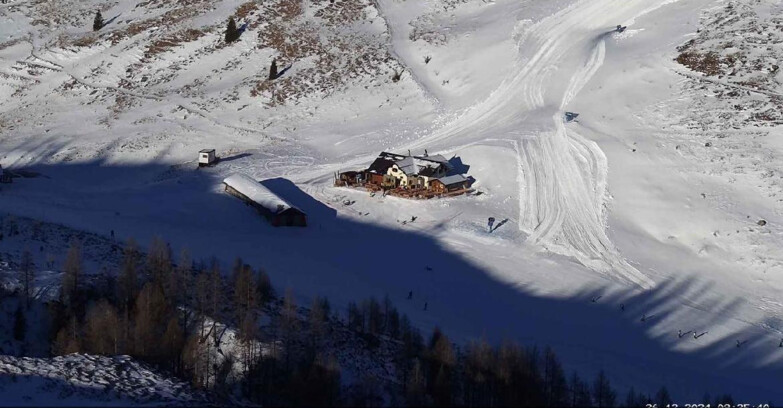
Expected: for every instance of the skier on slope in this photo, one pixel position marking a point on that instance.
(490, 223)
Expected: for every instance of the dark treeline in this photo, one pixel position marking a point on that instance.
(174, 314)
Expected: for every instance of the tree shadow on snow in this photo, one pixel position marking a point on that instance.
(345, 259)
(111, 20)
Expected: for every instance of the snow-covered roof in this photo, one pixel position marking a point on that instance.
(408, 165)
(255, 191)
(435, 158)
(449, 180)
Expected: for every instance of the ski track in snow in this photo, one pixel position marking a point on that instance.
(563, 175)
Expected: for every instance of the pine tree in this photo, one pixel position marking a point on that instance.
(580, 394)
(633, 399)
(232, 33)
(128, 280)
(202, 298)
(317, 323)
(662, 397)
(441, 363)
(415, 387)
(173, 343)
(20, 324)
(479, 379)
(176, 284)
(102, 329)
(555, 385)
(159, 262)
(97, 24)
(127, 290)
(67, 340)
(245, 297)
(72, 271)
(27, 276)
(603, 394)
(150, 318)
(265, 290)
(273, 69)
(289, 323)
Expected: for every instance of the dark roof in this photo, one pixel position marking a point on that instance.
(428, 171)
(436, 158)
(207, 151)
(380, 165)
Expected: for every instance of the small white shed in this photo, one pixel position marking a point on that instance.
(206, 157)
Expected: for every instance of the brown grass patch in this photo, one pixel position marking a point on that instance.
(707, 63)
(170, 41)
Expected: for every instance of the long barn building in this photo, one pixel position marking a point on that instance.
(275, 209)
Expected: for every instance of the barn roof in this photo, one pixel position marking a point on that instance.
(380, 165)
(455, 179)
(257, 192)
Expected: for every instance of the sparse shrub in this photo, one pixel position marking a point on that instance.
(397, 75)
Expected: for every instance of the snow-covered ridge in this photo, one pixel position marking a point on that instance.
(81, 380)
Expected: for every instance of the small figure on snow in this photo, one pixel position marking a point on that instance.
(680, 334)
(490, 223)
(425, 306)
(595, 299)
(410, 295)
(781, 343)
(644, 317)
(428, 268)
(413, 218)
(622, 307)
(112, 234)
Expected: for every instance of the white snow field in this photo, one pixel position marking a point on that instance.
(619, 203)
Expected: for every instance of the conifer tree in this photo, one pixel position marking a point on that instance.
(231, 31)
(159, 262)
(20, 324)
(27, 276)
(273, 69)
(555, 386)
(102, 329)
(97, 24)
(662, 397)
(72, 271)
(580, 394)
(150, 318)
(603, 394)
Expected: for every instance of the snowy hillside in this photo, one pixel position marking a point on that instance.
(657, 210)
(85, 380)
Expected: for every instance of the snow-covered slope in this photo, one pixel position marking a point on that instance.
(629, 202)
(86, 380)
